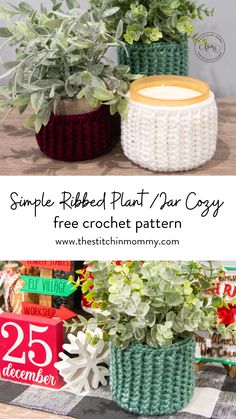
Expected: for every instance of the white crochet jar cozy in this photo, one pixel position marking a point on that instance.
(170, 138)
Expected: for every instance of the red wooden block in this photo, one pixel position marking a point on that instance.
(63, 265)
(29, 347)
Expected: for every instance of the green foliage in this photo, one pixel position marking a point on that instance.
(153, 20)
(2, 263)
(60, 55)
(152, 302)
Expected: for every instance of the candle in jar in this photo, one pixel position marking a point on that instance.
(166, 92)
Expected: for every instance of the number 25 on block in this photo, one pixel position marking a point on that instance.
(29, 347)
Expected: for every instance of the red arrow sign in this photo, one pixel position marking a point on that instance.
(60, 265)
(62, 313)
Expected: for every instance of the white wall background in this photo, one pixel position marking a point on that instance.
(221, 74)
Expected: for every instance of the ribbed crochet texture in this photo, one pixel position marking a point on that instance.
(156, 58)
(168, 138)
(151, 381)
(76, 137)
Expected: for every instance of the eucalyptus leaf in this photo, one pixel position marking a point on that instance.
(48, 83)
(46, 113)
(72, 4)
(110, 12)
(38, 123)
(29, 122)
(61, 54)
(96, 69)
(6, 14)
(174, 299)
(103, 94)
(151, 21)
(123, 108)
(37, 100)
(21, 100)
(143, 310)
(5, 33)
(25, 8)
(119, 29)
(11, 64)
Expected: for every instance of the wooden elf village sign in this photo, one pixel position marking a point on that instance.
(215, 347)
(47, 286)
(38, 291)
(38, 310)
(63, 265)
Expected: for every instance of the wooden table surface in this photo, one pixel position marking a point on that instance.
(20, 155)
(16, 412)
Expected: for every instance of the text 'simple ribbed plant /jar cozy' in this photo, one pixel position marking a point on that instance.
(155, 58)
(150, 381)
(170, 135)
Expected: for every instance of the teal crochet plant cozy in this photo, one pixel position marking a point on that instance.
(151, 381)
(155, 58)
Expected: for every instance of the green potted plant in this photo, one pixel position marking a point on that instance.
(156, 32)
(62, 74)
(153, 310)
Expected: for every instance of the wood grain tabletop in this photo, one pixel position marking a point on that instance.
(20, 155)
(16, 412)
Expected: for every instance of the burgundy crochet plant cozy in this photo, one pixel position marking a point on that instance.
(76, 137)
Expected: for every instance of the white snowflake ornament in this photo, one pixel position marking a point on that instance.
(84, 372)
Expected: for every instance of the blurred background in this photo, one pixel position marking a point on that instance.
(217, 66)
